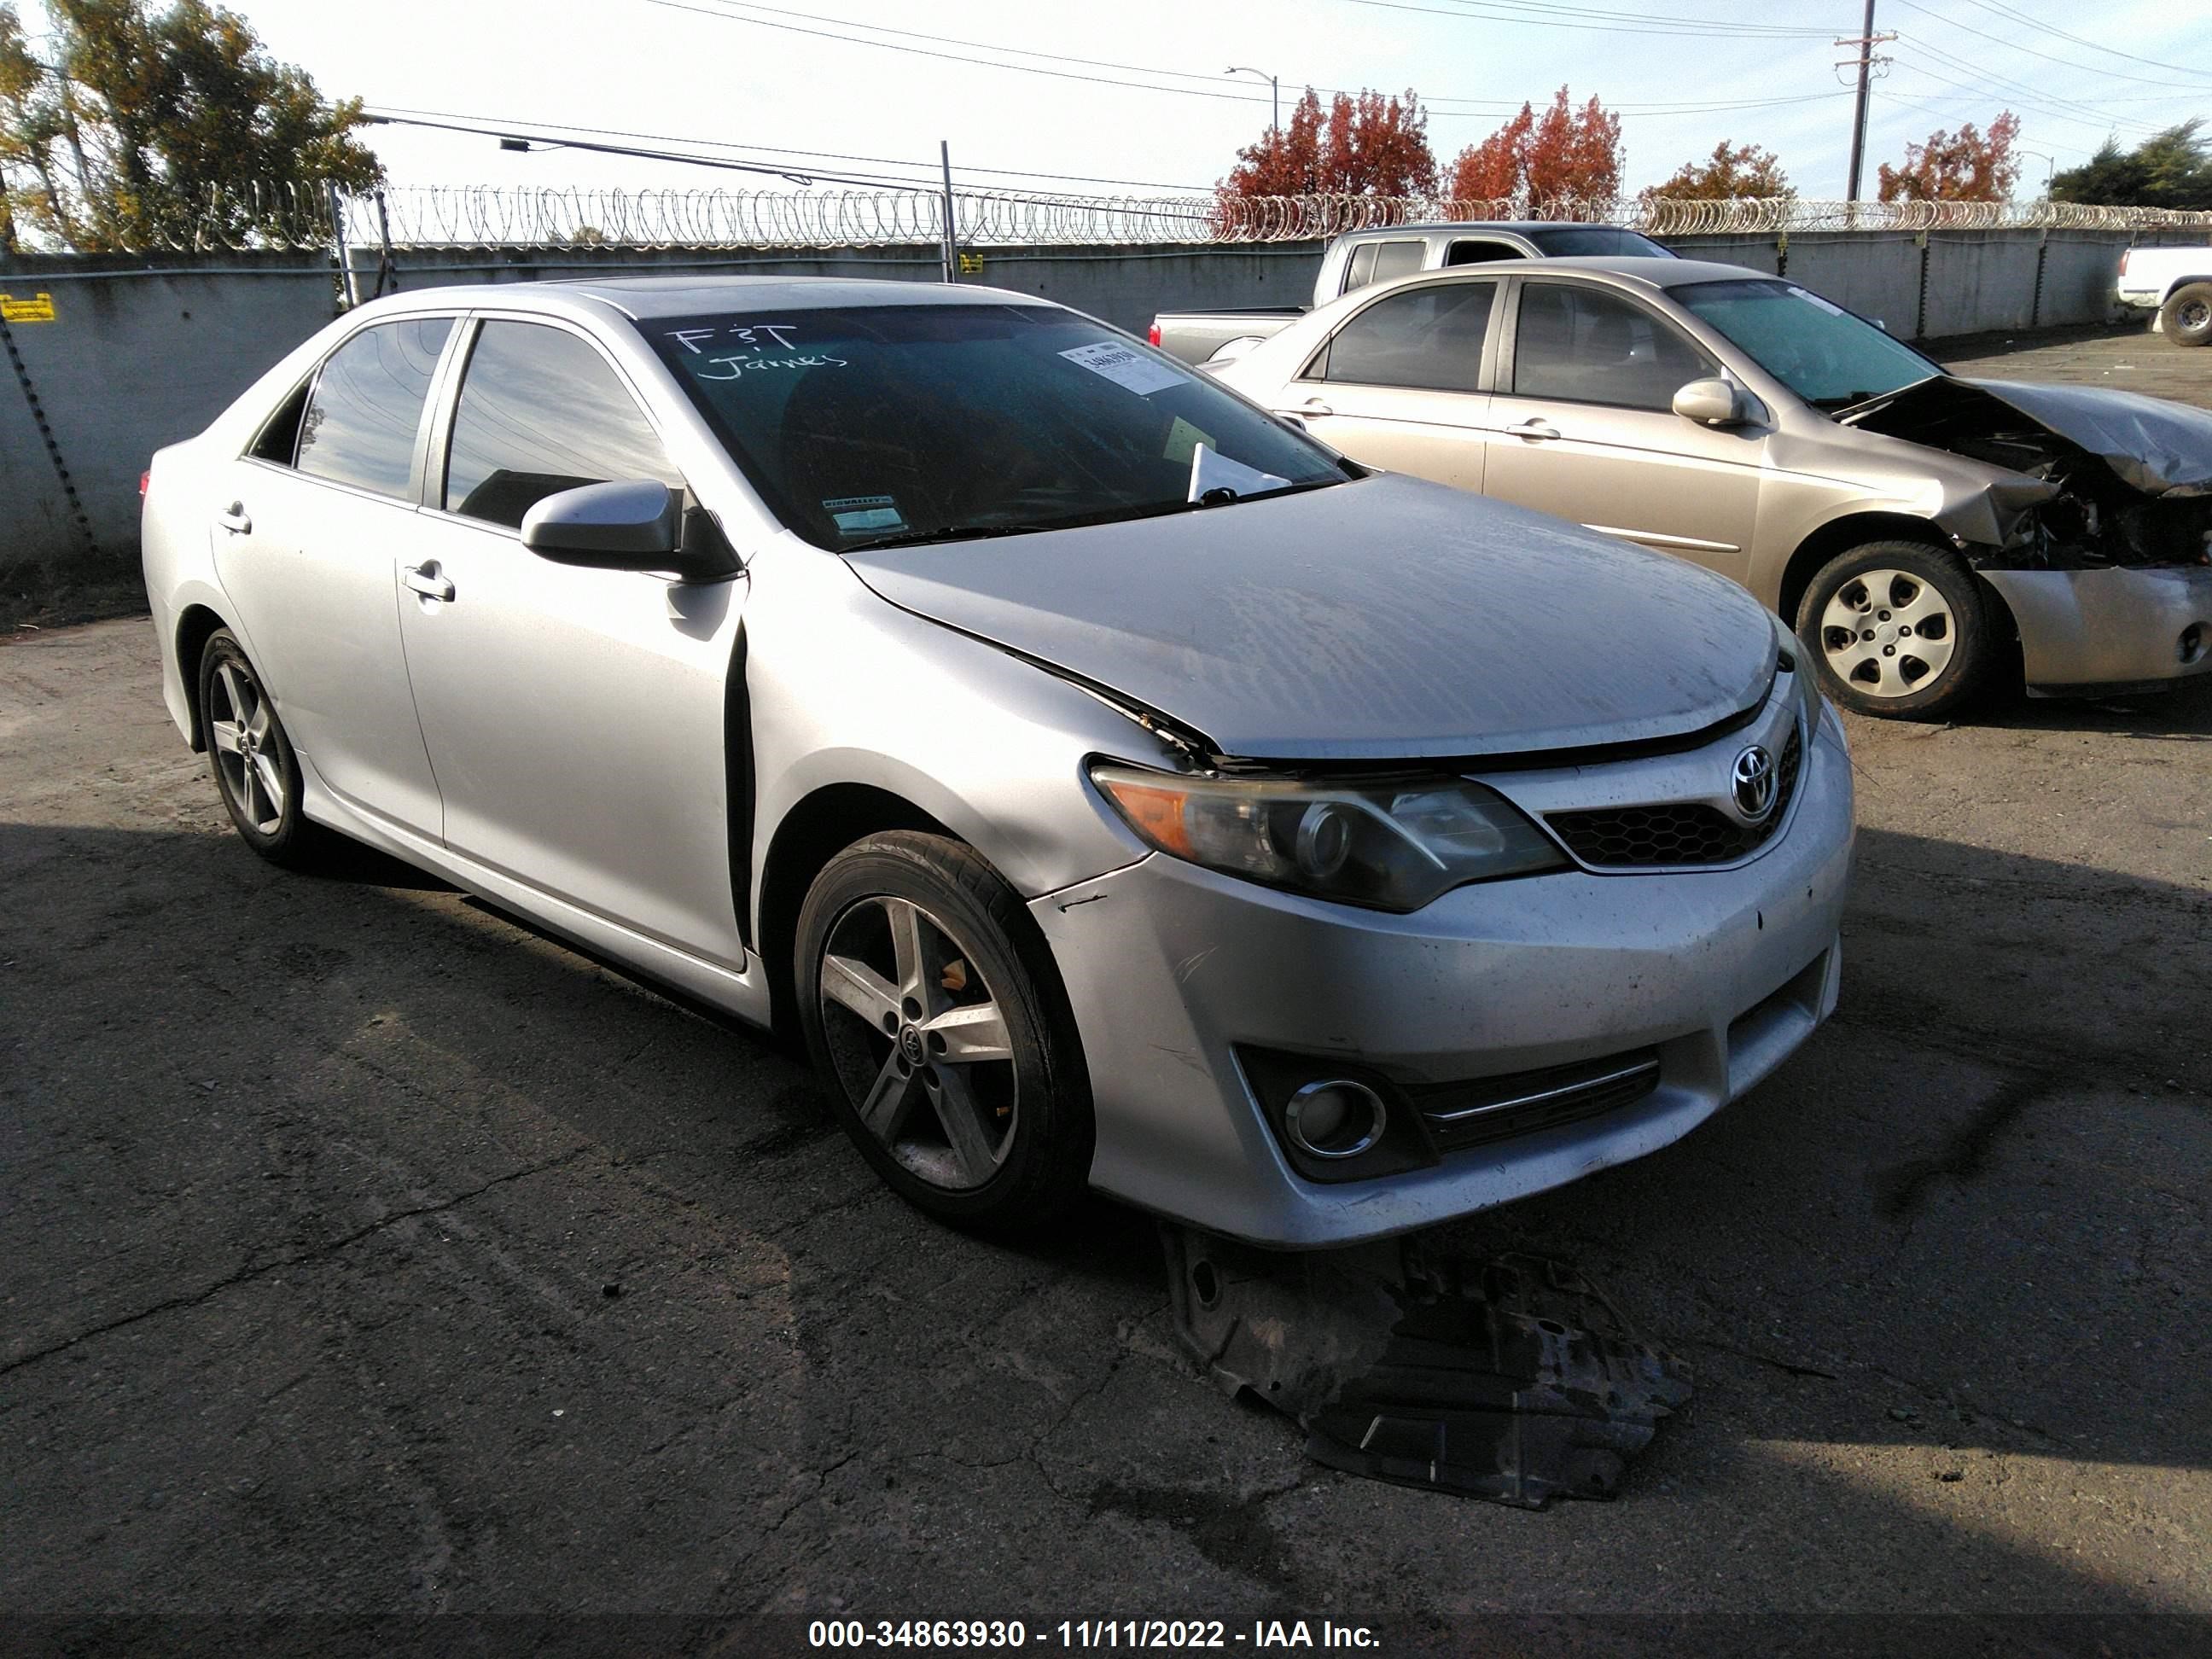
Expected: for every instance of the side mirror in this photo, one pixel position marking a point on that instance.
(632, 524)
(1713, 402)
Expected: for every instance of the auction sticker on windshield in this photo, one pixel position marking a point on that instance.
(855, 513)
(1125, 368)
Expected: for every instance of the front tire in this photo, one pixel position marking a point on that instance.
(932, 1011)
(2185, 318)
(255, 770)
(1896, 629)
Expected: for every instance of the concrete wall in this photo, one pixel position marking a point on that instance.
(144, 352)
(137, 356)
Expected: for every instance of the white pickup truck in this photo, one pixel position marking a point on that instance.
(2176, 283)
(1361, 257)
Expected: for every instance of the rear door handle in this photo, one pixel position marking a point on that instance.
(234, 519)
(1534, 427)
(1315, 406)
(424, 579)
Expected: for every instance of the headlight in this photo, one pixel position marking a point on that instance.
(1391, 846)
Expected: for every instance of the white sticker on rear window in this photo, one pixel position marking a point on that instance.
(1139, 373)
(1807, 293)
(855, 513)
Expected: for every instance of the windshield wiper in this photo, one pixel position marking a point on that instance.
(951, 532)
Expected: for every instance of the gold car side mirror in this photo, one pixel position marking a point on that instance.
(1712, 402)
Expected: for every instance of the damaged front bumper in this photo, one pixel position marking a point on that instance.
(2085, 630)
(1600, 1016)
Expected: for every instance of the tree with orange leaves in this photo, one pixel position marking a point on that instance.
(1561, 153)
(1957, 166)
(1369, 145)
(1728, 173)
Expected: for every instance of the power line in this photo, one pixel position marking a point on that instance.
(724, 12)
(1535, 15)
(2117, 74)
(2080, 41)
(2050, 106)
(786, 149)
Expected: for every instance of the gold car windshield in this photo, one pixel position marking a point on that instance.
(1829, 356)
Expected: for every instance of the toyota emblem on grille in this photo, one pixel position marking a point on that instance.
(1752, 782)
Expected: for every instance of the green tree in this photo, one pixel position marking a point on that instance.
(146, 129)
(2169, 169)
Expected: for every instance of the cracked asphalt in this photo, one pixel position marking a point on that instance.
(363, 1253)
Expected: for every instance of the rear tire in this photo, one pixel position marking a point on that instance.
(934, 1014)
(1896, 629)
(251, 757)
(2185, 318)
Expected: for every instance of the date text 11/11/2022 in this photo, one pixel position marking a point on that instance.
(1088, 1633)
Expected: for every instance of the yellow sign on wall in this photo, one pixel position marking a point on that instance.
(38, 308)
(970, 264)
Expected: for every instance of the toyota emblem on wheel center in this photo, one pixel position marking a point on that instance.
(1753, 782)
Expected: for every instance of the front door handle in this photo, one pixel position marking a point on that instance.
(424, 579)
(234, 519)
(1315, 406)
(1534, 427)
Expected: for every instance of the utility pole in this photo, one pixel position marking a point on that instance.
(1866, 42)
(951, 258)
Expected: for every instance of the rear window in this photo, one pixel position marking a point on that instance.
(361, 420)
(1378, 262)
(1429, 339)
(1600, 242)
(913, 422)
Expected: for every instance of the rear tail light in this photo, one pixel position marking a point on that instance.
(1153, 334)
(2123, 266)
(144, 478)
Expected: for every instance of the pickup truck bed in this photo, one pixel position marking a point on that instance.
(1194, 336)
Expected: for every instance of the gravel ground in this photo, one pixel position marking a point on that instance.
(366, 1253)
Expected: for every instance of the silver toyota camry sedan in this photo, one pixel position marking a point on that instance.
(1110, 783)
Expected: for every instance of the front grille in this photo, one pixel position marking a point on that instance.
(1687, 832)
(1489, 1108)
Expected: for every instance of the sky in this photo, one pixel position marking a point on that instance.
(801, 77)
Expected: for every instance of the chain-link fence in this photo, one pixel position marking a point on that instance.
(471, 216)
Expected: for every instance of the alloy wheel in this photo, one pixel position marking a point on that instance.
(1887, 632)
(917, 1041)
(241, 728)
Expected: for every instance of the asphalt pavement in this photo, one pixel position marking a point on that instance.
(363, 1253)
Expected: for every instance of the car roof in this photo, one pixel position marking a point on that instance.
(1654, 270)
(644, 296)
(1434, 225)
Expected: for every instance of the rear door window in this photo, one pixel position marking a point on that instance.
(1590, 345)
(1469, 252)
(1378, 262)
(360, 422)
(541, 411)
(1429, 339)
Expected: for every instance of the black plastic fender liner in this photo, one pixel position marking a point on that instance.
(1512, 1379)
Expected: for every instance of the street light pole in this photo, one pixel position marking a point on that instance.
(1274, 89)
(2049, 169)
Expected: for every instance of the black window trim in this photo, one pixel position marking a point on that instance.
(312, 380)
(445, 401)
(1510, 337)
(1317, 367)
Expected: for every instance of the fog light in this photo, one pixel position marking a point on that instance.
(1336, 1118)
(2190, 646)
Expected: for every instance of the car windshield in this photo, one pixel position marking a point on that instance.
(1827, 355)
(882, 424)
(1602, 242)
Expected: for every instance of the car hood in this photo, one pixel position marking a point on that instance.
(2159, 447)
(1384, 619)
